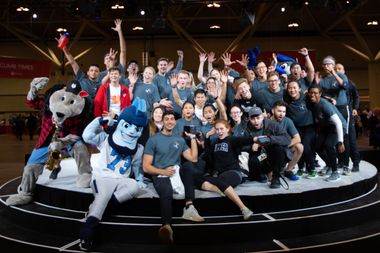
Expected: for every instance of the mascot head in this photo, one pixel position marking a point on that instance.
(130, 124)
(283, 64)
(68, 102)
(252, 57)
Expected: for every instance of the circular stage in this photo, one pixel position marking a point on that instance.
(311, 212)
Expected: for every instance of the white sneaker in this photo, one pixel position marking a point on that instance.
(192, 214)
(247, 213)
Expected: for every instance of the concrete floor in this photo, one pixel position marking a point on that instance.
(12, 154)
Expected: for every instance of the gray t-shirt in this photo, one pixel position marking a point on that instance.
(165, 149)
(148, 92)
(87, 85)
(299, 112)
(331, 88)
(271, 97)
(181, 123)
(288, 125)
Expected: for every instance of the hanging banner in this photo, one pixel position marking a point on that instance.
(23, 68)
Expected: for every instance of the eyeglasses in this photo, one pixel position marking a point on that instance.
(273, 81)
(235, 112)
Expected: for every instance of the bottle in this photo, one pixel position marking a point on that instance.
(63, 41)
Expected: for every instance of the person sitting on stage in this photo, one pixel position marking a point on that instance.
(268, 153)
(225, 173)
(162, 157)
(120, 156)
(296, 147)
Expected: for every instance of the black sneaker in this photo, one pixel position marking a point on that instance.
(275, 183)
(355, 168)
(85, 244)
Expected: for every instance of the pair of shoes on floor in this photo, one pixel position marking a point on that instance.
(247, 213)
(85, 244)
(289, 174)
(333, 177)
(165, 233)
(312, 175)
(190, 213)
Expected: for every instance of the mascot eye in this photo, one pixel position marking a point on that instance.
(126, 124)
(72, 102)
(62, 98)
(138, 129)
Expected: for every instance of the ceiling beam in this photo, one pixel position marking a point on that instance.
(344, 15)
(31, 44)
(360, 38)
(377, 57)
(183, 34)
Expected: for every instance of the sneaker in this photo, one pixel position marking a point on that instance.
(355, 168)
(346, 171)
(190, 213)
(85, 244)
(340, 166)
(299, 172)
(246, 213)
(333, 177)
(312, 175)
(275, 183)
(165, 233)
(325, 171)
(289, 174)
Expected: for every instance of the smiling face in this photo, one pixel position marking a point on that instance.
(148, 75)
(221, 130)
(162, 66)
(315, 95)
(93, 72)
(169, 122)
(157, 114)
(294, 90)
(126, 134)
(244, 90)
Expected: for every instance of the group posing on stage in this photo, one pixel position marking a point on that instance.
(259, 125)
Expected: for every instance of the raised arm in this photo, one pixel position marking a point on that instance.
(123, 46)
(310, 71)
(202, 60)
(210, 60)
(70, 59)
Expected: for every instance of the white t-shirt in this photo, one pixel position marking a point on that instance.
(115, 99)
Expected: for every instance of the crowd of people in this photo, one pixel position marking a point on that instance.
(255, 125)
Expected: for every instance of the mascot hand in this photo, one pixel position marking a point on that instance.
(56, 145)
(69, 139)
(109, 121)
(39, 83)
(141, 185)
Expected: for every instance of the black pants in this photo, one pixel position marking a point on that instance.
(344, 157)
(276, 159)
(326, 146)
(354, 152)
(307, 134)
(224, 180)
(165, 191)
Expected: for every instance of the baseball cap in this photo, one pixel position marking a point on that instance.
(255, 111)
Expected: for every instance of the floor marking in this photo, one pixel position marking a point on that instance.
(268, 217)
(279, 243)
(64, 247)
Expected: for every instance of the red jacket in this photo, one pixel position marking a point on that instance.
(102, 99)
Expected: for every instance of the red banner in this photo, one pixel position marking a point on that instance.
(23, 68)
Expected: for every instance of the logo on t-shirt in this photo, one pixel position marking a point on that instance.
(115, 99)
(176, 145)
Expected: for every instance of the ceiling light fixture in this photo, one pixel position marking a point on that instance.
(306, 3)
(142, 12)
(215, 27)
(137, 28)
(213, 5)
(22, 8)
(373, 23)
(60, 30)
(293, 25)
(283, 9)
(117, 7)
(34, 15)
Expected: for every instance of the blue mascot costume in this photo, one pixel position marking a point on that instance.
(120, 157)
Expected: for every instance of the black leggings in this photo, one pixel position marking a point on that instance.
(165, 190)
(224, 180)
(307, 134)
